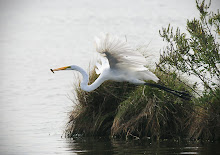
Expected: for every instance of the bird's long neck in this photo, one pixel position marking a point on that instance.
(84, 83)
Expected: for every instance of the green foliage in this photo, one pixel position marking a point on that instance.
(198, 54)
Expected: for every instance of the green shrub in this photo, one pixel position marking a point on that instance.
(198, 55)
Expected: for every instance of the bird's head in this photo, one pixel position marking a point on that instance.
(63, 68)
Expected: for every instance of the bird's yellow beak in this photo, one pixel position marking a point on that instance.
(61, 68)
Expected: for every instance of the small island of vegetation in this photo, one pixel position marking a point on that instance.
(123, 110)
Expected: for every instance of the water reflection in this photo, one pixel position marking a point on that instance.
(90, 145)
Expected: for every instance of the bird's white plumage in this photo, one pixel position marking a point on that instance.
(103, 66)
(119, 63)
(129, 65)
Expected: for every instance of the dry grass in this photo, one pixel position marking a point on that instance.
(204, 122)
(95, 111)
(150, 112)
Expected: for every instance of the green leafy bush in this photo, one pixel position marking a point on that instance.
(197, 54)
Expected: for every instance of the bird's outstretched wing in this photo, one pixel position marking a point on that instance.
(119, 53)
(122, 57)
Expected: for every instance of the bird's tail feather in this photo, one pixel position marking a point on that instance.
(181, 94)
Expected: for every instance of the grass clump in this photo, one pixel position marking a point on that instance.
(95, 111)
(205, 120)
(129, 111)
(150, 112)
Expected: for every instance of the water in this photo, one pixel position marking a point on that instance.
(38, 35)
(117, 147)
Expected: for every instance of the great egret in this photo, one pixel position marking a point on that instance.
(119, 63)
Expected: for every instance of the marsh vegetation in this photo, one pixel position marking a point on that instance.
(123, 110)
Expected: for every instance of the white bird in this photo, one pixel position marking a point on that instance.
(119, 63)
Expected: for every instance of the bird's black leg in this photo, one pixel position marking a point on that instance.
(180, 94)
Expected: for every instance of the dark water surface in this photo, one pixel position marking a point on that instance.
(118, 147)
